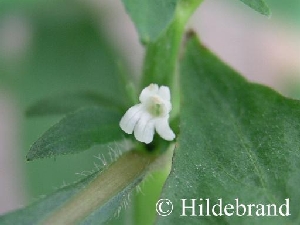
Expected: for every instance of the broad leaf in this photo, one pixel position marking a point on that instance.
(258, 5)
(68, 102)
(238, 140)
(150, 17)
(78, 131)
(93, 200)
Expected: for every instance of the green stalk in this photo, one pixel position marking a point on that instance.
(160, 64)
(161, 55)
(145, 201)
(107, 184)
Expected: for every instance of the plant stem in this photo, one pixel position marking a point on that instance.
(161, 56)
(106, 185)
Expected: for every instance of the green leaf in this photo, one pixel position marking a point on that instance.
(78, 131)
(237, 140)
(258, 5)
(150, 17)
(93, 200)
(68, 102)
(39, 210)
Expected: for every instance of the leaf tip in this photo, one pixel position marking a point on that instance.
(145, 40)
(28, 158)
(190, 34)
(31, 154)
(269, 14)
(259, 6)
(266, 12)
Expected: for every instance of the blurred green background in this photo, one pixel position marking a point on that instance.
(48, 48)
(52, 47)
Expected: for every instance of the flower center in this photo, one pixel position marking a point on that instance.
(156, 106)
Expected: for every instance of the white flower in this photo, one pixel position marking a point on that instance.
(151, 114)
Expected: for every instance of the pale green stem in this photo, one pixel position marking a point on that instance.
(161, 55)
(161, 58)
(106, 185)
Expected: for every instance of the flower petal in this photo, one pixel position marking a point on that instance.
(163, 129)
(144, 129)
(164, 93)
(130, 118)
(167, 107)
(147, 92)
